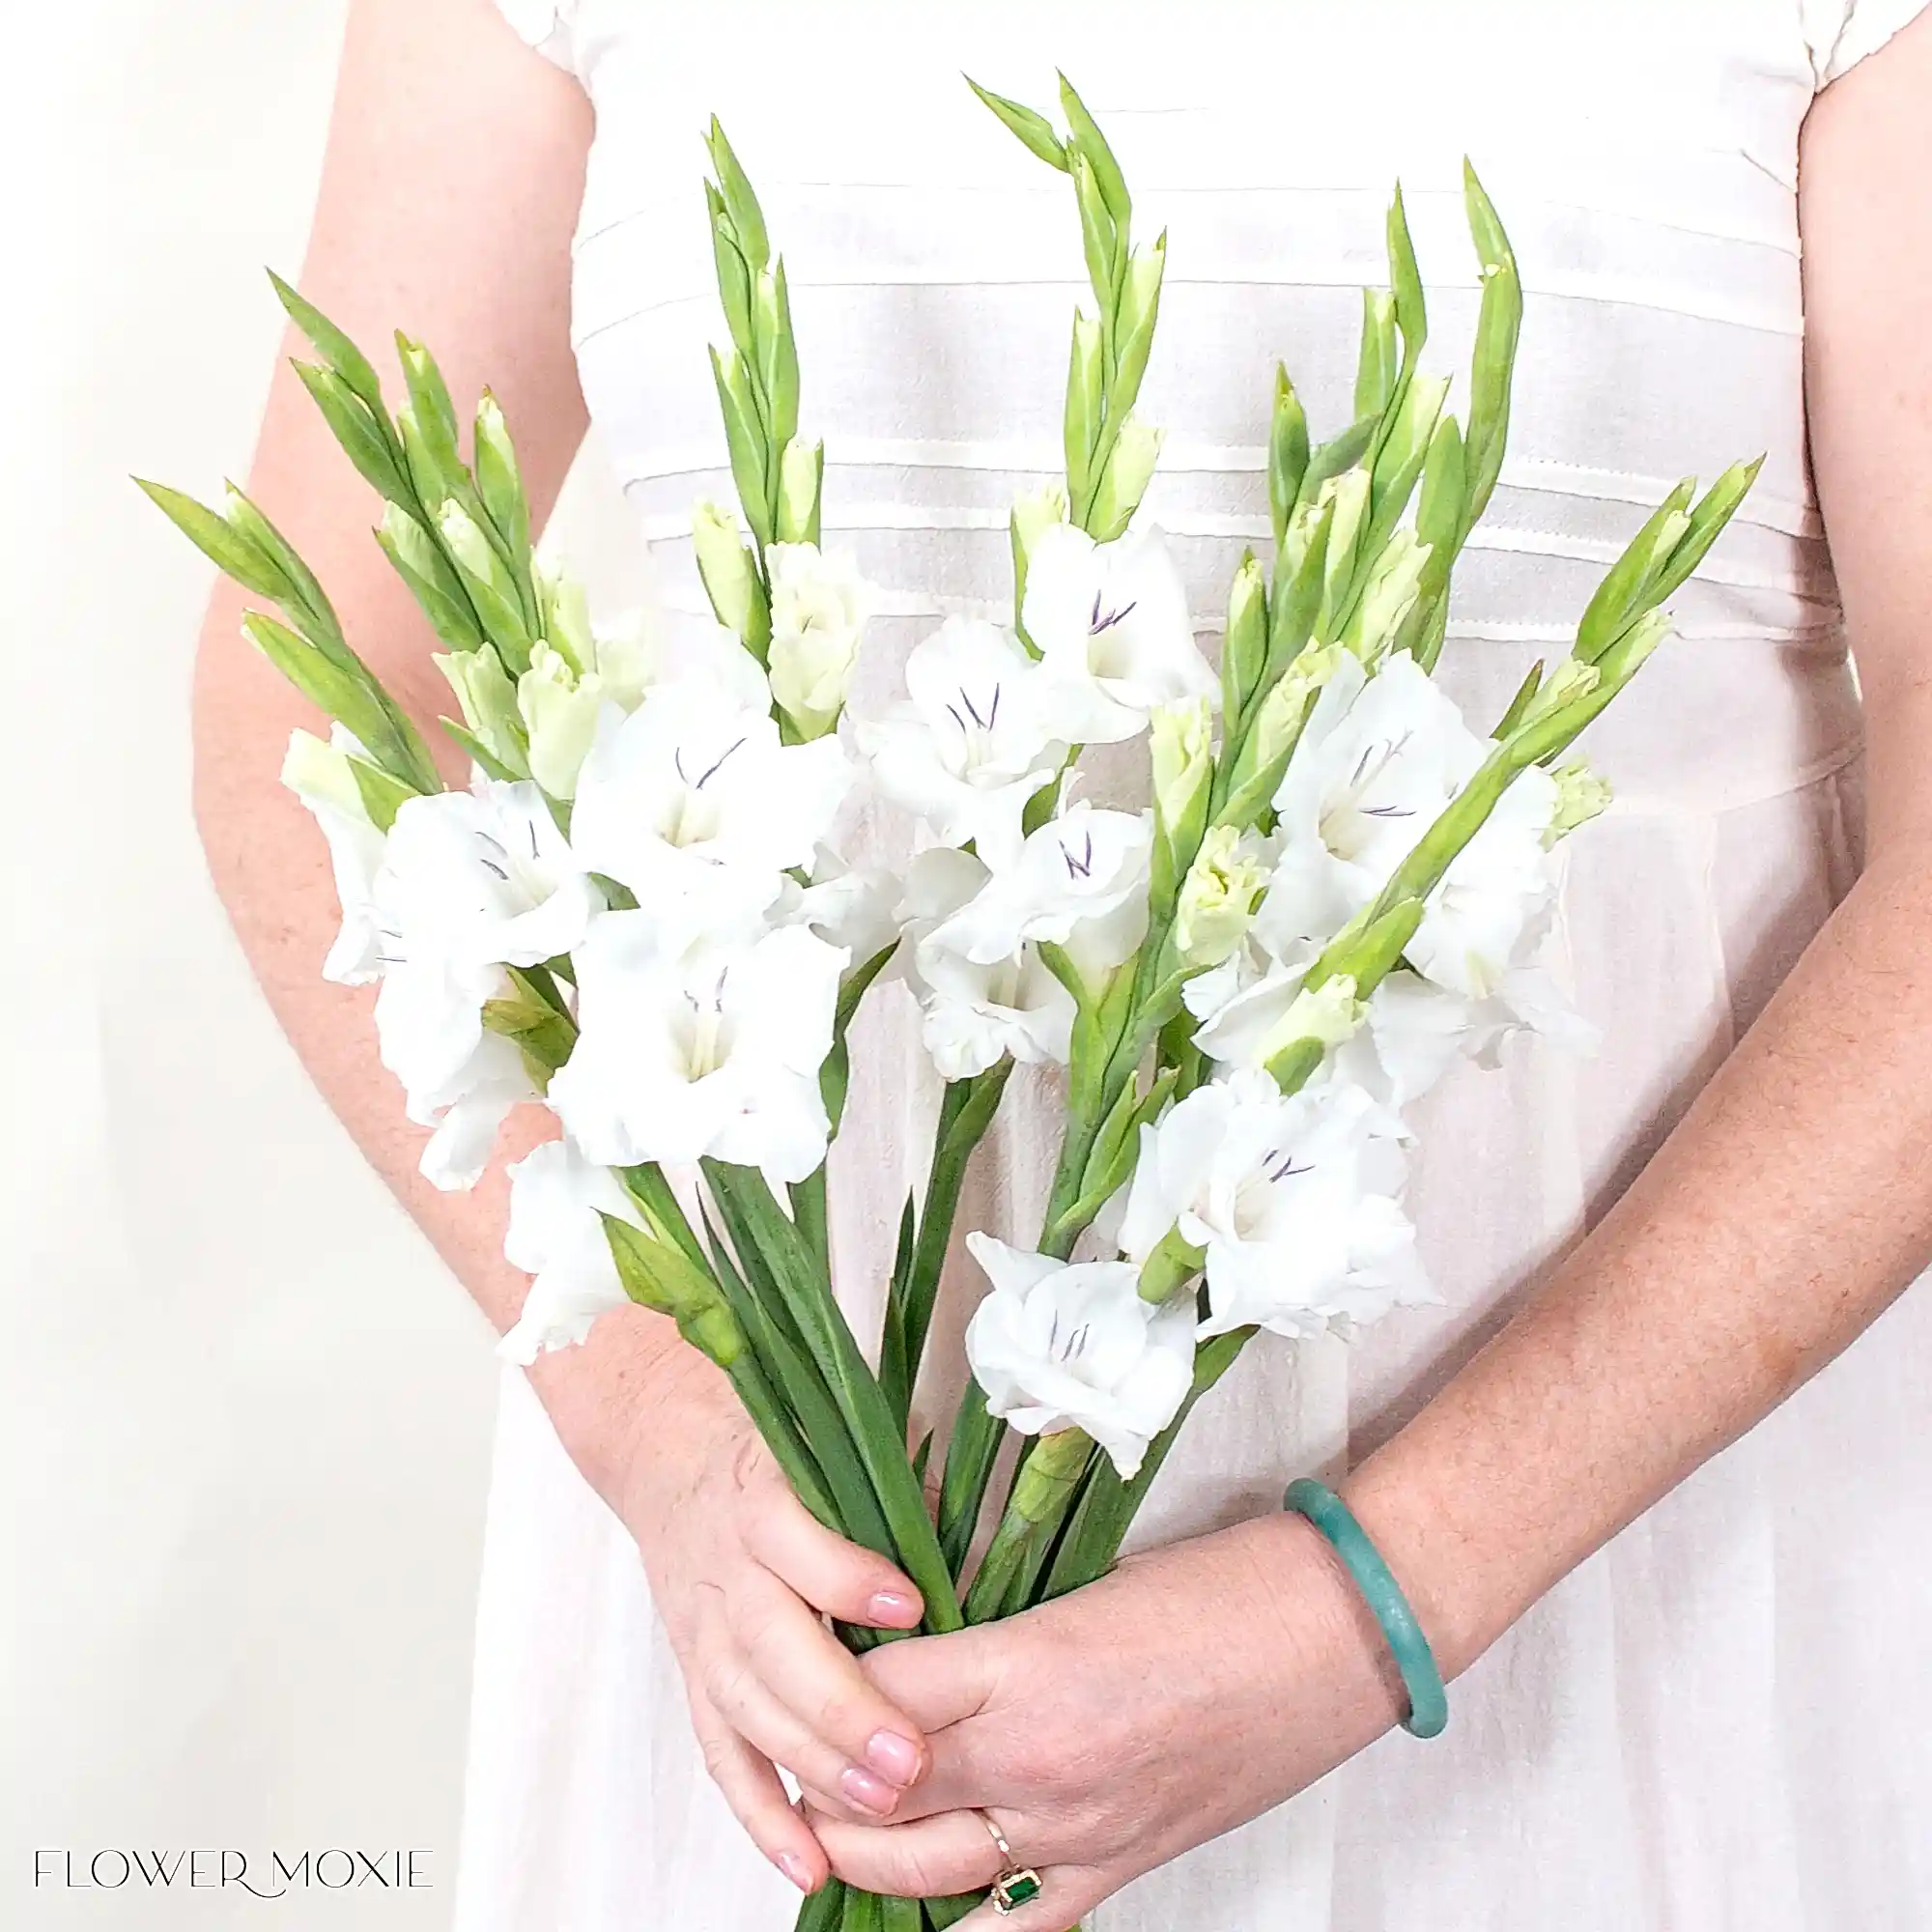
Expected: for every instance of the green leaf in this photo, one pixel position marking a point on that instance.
(1288, 453)
(1091, 145)
(779, 363)
(1718, 506)
(231, 552)
(1499, 327)
(1411, 308)
(1518, 705)
(745, 437)
(741, 205)
(474, 747)
(304, 599)
(334, 347)
(659, 1276)
(1621, 595)
(1375, 363)
(421, 562)
(499, 483)
(431, 404)
(381, 793)
(343, 697)
(1332, 458)
(735, 275)
(1100, 241)
(1033, 130)
(368, 447)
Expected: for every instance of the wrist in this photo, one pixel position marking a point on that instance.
(1456, 1578)
(628, 1402)
(1320, 1629)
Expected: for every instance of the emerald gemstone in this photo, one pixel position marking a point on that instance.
(1016, 1888)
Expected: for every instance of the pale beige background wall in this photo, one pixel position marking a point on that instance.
(245, 1414)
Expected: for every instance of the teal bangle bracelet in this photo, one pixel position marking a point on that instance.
(1428, 1700)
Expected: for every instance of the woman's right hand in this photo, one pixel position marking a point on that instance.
(743, 1576)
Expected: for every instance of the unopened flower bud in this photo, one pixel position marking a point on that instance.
(726, 566)
(1318, 1019)
(488, 701)
(1580, 796)
(819, 607)
(801, 472)
(1130, 465)
(1395, 581)
(1218, 898)
(559, 711)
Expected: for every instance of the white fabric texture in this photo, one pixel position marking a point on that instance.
(1702, 1729)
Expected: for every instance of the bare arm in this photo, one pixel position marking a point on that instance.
(453, 182)
(1792, 1204)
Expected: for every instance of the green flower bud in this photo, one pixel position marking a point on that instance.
(800, 476)
(1580, 796)
(1394, 582)
(490, 588)
(1351, 493)
(1084, 399)
(488, 701)
(560, 712)
(1181, 747)
(1218, 898)
(1245, 641)
(315, 770)
(725, 566)
(1171, 1265)
(564, 609)
(1320, 1019)
(1129, 470)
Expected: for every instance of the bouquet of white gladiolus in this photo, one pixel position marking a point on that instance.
(635, 913)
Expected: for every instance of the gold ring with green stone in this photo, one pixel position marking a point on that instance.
(1017, 1885)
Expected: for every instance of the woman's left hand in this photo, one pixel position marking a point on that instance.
(1111, 1730)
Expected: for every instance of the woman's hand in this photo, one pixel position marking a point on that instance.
(743, 1576)
(1116, 1729)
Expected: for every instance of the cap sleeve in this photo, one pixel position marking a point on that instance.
(1841, 33)
(546, 24)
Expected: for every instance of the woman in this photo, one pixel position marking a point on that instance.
(1706, 1721)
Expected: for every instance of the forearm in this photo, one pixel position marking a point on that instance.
(457, 227)
(1784, 1214)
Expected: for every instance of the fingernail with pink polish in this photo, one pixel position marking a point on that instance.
(891, 1607)
(892, 1757)
(866, 1790)
(793, 1867)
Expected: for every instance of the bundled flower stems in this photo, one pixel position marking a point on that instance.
(634, 914)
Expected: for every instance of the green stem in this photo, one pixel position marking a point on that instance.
(970, 1455)
(965, 1115)
(876, 1432)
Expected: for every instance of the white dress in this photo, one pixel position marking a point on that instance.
(1712, 1724)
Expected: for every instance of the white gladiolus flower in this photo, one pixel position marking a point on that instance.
(695, 803)
(1376, 766)
(319, 775)
(1292, 1198)
(819, 607)
(1080, 881)
(854, 908)
(967, 750)
(1062, 1345)
(1111, 623)
(555, 1238)
(470, 882)
(972, 1016)
(715, 1051)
